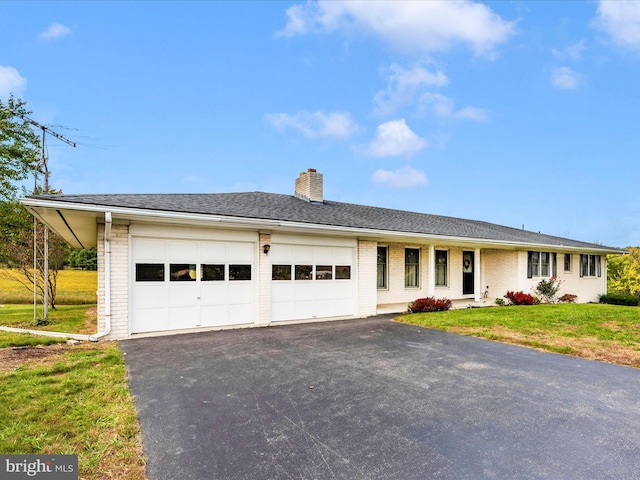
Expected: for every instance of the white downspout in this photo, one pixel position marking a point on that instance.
(107, 297)
(107, 279)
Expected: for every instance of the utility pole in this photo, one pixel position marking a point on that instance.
(45, 130)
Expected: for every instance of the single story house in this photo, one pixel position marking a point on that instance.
(169, 262)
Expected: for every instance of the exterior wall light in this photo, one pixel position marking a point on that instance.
(266, 249)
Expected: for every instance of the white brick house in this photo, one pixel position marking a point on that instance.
(200, 261)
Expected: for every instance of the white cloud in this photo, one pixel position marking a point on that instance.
(404, 84)
(621, 20)
(405, 177)
(572, 52)
(315, 124)
(55, 30)
(567, 79)
(406, 25)
(11, 82)
(444, 107)
(395, 138)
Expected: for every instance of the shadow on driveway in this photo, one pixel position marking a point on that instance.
(374, 399)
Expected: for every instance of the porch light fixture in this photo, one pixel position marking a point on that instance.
(266, 249)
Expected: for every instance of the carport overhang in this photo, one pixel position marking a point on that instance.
(77, 224)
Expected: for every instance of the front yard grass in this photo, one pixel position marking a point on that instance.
(607, 333)
(62, 399)
(73, 400)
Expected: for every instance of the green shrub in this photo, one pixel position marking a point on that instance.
(500, 302)
(548, 289)
(620, 299)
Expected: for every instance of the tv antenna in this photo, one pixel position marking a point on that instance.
(45, 130)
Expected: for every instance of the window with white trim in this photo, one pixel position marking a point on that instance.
(442, 261)
(541, 264)
(411, 267)
(381, 280)
(590, 266)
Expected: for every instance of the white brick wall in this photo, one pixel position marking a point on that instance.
(119, 281)
(264, 281)
(367, 274)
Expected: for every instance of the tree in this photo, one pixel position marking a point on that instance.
(16, 251)
(84, 258)
(623, 272)
(19, 147)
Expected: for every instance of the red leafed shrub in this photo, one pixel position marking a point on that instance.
(520, 298)
(429, 304)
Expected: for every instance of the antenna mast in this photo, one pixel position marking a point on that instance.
(45, 130)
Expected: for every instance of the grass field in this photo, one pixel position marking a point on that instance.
(608, 333)
(75, 287)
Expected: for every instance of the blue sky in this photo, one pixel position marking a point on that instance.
(513, 112)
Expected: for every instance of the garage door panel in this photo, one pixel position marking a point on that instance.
(151, 320)
(240, 253)
(304, 309)
(211, 252)
(181, 251)
(240, 313)
(240, 292)
(183, 295)
(214, 294)
(151, 296)
(150, 250)
(184, 317)
(212, 315)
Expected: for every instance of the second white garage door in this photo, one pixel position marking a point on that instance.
(312, 281)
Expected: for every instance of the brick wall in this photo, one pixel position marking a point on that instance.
(367, 274)
(264, 281)
(119, 281)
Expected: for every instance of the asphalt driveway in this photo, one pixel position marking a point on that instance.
(374, 399)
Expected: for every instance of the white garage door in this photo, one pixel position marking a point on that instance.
(181, 284)
(312, 281)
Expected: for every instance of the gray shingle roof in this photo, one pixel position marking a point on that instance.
(271, 206)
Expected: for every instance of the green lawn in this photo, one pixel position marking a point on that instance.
(75, 401)
(65, 318)
(601, 332)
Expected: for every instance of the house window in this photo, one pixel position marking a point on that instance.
(212, 272)
(343, 272)
(544, 264)
(149, 272)
(281, 272)
(590, 265)
(441, 268)
(239, 272)
(182, 272)
(382, 267)
(411, 267)
(567, 262)
(539, 264)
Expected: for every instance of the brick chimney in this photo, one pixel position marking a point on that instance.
(309, 186)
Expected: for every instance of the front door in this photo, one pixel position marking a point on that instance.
(467, 273)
